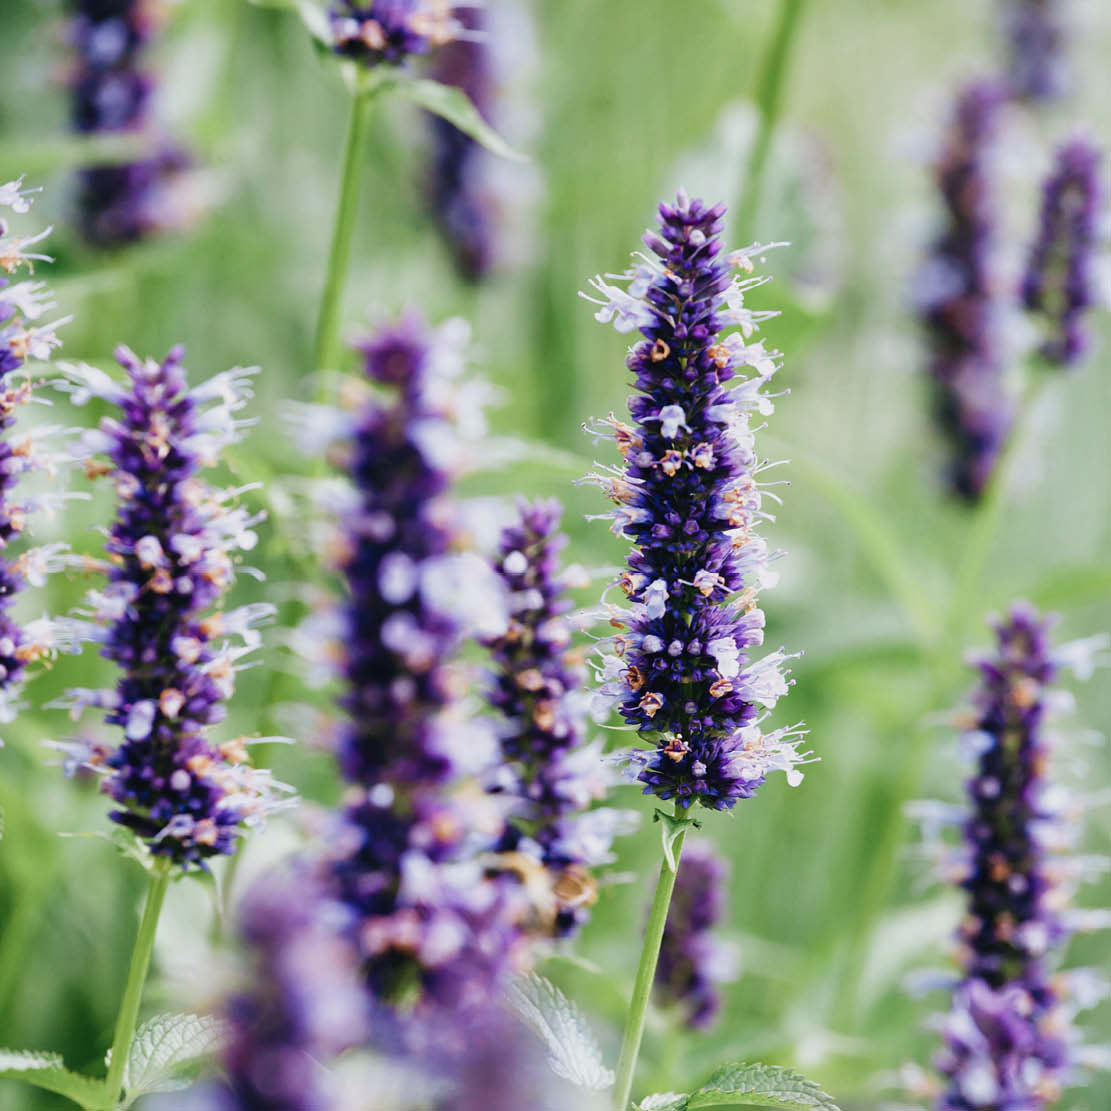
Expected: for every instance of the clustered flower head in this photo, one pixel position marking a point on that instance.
(694, 962)
(111, 92)
(1009, 1043)
(1035, 36)
(170, 560)
(1059, 283)
(437, 923)
(392, 31)
(549, 769)
(21, 304)
(958, 299)
(690, 497)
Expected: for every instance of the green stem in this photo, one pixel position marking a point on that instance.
(136, 978)
(769, 94)
(326, 350)
(646, 975)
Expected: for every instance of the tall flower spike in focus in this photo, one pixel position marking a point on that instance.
(1035, 39)
(1009, 1040)
(690, 497)
(694, 963)
(120, 202)
(1059, 283)
(170, 560)
(436, 926)
(21, 304)
(377, 32)
(549, 769)
(957, 297)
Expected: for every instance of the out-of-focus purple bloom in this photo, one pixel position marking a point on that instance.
(437, 925)
(21, 304)
(957, 297)
(694, 963)
(392, 31)
(1008, 1042)
(1059, 283)
(305, 1004)
(536, 688)
(1035, 36)
(120, 203)
(170, 560)
(690, 497)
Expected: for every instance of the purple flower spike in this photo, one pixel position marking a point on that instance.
(1059, 282)
(170, 560)
(690, 498)
(121, 203)
(377, 32)
(693, 962)
(1035, 36)
(437, 925)
(20, 340)
(957, 299)
(1008, 1041)
(550, 770)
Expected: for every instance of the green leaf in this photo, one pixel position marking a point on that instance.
(742, 1085)
(573, 1052)
(46, 1070)
(671, 829)
(312, 16)
(664, 1101)
(165, 1050)
(455, 106)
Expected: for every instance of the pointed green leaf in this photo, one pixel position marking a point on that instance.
(664, 1101)
(165, 1050)
(756, 1085)
(46, 1070)
(573, 1052)
(455, 106)
(312, 16)
(671, 829)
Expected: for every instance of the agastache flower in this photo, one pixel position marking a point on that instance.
(536, 687)
(957, 297)
(1059, 281)
(21, 340)
(1035, 36)
(436, 922)
(170, 560)
(377, 32)
(1008, 1038)
(120, 203)
(691, 497)
(694, 962)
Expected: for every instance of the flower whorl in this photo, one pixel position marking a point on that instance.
(957, 298)
(549, 769)
(170, 560)
(376, 32)
(689, 498)
(1035, 37)
(693, 962)
(1059, 281)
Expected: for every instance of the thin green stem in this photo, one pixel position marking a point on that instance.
(646, 974)
(136, 978)
(326, 349)
(769, 95)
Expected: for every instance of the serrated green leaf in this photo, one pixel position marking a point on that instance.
(47, 1071)
(573, 1052)
(455, 106)
(756, 1085)
(164, 1048)
(664, 1101)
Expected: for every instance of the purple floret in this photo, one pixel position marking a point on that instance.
(391, 32)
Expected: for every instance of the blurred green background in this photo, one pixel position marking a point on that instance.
(631, 97)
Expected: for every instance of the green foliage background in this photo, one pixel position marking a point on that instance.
(625, 88)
